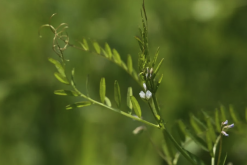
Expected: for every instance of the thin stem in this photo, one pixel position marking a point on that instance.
(214, 150)
(115, 110)
(218, 162)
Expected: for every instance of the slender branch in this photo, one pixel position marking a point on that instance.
(115, 110)
(214, 150)
(218, 162)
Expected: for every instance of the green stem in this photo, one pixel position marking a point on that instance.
(214, 150)
(218, 162)
(115, 110)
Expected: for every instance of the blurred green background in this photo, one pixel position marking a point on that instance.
(204, 43)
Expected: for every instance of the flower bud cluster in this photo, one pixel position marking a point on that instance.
(225, 127)
(149, 73)
(146, 94)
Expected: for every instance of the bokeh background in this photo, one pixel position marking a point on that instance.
(204, 43)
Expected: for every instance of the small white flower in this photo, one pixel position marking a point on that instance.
(142, 94)
(148, 94)
(224, 133)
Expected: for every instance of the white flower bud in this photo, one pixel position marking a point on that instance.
(144, 86)
(224, 133)
(142, 94)
(148, 94)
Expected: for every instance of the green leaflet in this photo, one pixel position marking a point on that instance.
(189, 156)
(60, 75)
(158, 67)
(63, 92)
(196, 124)
(197, 140)
(129, 64)
(155, 56)
(117, 94)
(102, 90)
(233, 115)
(141, 62)
(78, 105)
(179, 136)
(136, 106)
(59, 67)
(168, 148)
(84, 44)
(129, 94)
(222, 162)
(116, 56)
(96, 47)
(140, 43)
(217, 120)
(211, 129)
(108, 50)
(107, 101)
(124, 66)
(72, 77)
(209, 143)
(61, 78)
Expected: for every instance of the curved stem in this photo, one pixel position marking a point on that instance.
(114, 109)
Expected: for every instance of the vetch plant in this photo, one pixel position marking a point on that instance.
(201, 131)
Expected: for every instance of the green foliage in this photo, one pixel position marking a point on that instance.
(129, 103)
(136, 106)
(78, 105)
(102, 90)
(117, 94)
(63, 92)
(205, 128)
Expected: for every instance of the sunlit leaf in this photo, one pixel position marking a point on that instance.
(102, 90)
(136, 106)
(96, 47)
(107, 101)
(116, 56)
(158, 67)
(124, 66)
(72, 77)
(59, 67)
(84, 44)
(78, 105)
(61, 78)
(63, 92)
(129, 64)
(140, 43)
(129, 94)
(108, 50)
(117, 94)
(155, 57)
